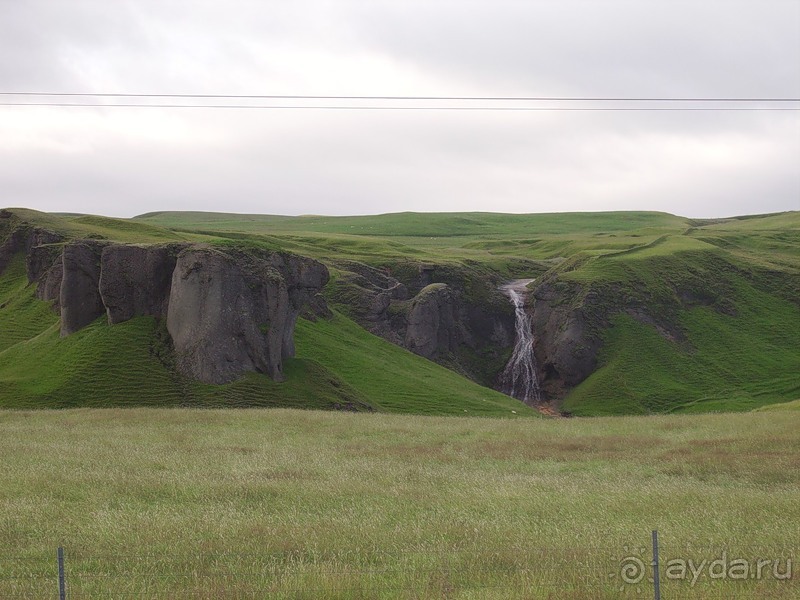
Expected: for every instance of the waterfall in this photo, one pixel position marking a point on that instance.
(519, 378)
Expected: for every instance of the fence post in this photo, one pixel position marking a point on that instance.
(62, 584)
(656, 581)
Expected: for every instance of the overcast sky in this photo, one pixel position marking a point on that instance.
(127, 161)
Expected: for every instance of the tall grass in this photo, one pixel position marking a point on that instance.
(154, 503)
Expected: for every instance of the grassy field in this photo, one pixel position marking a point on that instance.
(187, 503)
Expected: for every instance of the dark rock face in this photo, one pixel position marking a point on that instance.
(231, 314)
(434, 325)
(368, 294)
(566, 347)
(451, 314)
(136, 280)
(40, 260)
(80, 298)
(23, 239)
(227, 312)
(304, 278)
(45, 268)
(15, 242)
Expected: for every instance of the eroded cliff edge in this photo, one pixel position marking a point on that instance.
(227, 310)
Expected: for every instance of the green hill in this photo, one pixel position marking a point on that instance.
(692, 315)
(338, 366)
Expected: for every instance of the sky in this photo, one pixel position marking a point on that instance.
(400, 155)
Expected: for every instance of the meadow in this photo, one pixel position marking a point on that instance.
(201, 503)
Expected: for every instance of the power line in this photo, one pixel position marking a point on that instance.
(404, 98)
(397, 103)
(411, 108)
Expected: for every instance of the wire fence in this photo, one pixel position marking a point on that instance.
(650, 570)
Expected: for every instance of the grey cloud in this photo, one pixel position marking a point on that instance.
(598, 48)
(124, 162)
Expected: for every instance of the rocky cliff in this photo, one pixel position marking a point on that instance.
(232, 313)
(451, 314)
(566, 342)
(227, 310)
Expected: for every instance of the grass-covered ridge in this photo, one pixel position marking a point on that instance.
(338, 366)
(694, 315)
(97, 227)
(714, 303)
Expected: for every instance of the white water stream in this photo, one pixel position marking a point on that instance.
(519, 378)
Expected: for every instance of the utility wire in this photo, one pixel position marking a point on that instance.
(406, 108)
(429, 98)
(65, 99)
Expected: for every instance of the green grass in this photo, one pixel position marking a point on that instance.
(727, 289)
(338, 366)
(735, 361)
(410, 224)
(499, 240)
(223, 504)
(80, 226)
(794, 405)
(394, 379)
(122, 365)
(22, 316)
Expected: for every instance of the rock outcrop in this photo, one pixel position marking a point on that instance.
(228, 311)
(225, 320)
(566, 345)
(80, 299)
(434, 325)
(451, 314)
(304, 279)
(136, 280)
(45, 268)
(23, 238)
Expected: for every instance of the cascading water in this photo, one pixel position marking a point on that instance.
(519, 378)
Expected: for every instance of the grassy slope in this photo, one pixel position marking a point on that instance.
(490, 238)
(740, 351)
(394, 379)
(22, 316)
(422, 224)
(119, 230)
(751, 265)
(309, 505)
(726, 362)
(338, 365)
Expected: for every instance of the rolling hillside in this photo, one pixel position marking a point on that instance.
(339, 366)
(689, 315)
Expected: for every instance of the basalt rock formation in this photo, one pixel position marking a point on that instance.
(228, 311)
(229, 314)
(449, 314)
(566, 345)
(137, 280)
(80, 299)
(434, 325)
